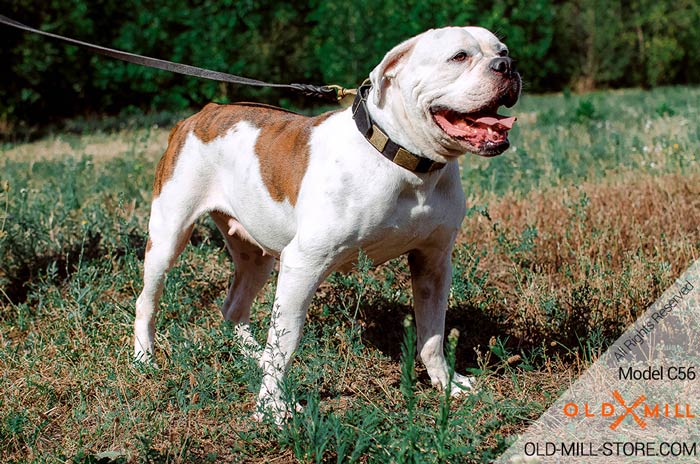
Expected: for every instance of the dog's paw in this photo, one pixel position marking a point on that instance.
(275, 411)
(145, 361)
(249, 347)
(461, 385)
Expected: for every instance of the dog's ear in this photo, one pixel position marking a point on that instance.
(387, 69)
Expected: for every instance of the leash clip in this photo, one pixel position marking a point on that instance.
(341, 92)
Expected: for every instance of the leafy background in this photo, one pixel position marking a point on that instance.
(575, 44)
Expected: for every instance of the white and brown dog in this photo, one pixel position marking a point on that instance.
(381, 177)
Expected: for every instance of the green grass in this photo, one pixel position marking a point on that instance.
(571, 234)
(561, 140)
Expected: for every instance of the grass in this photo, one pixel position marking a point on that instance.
(571, 234)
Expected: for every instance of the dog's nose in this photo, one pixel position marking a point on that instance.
(502, 65)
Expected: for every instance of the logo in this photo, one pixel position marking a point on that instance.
(638, 410)
(628, 410)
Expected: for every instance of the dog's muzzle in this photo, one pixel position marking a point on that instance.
(505, 67)
(483, 131)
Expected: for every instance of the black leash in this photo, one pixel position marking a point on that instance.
(373, 133)
(326, 92)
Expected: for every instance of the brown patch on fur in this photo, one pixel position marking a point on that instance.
(166, 165)
(282, 146)
(283, 151)
(149, 245)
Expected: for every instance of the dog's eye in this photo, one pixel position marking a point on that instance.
(503, 52)
(459, 57)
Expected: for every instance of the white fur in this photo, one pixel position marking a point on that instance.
(351, 198)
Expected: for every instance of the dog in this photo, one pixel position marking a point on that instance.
(381, 176)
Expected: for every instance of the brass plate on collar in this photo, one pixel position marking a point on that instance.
(378, 139)
(435, 166)
(405, 159)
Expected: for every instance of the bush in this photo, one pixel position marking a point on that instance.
(556, 45)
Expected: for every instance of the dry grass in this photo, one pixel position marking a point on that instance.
(149, 143)
(611, 247)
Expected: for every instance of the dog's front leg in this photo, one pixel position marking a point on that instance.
(431, 276)
(299, 277)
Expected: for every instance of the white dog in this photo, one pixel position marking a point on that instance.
(381, 177)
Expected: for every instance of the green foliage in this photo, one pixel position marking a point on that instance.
(44, 77)
(618, 43)
(658, 39)
(258, 39)
(51, 80)
(527, 27)
(583, 44)
(352, 37)
(593, 50)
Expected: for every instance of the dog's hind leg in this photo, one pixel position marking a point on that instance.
(252, 269)
(169, 231)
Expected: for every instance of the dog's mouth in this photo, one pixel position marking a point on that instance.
(482, 132)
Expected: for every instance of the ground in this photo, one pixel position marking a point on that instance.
(571, 234)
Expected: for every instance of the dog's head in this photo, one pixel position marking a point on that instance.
(445, 87)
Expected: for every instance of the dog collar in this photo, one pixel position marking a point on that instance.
(384, 145)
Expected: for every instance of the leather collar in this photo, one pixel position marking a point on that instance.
(384, 145)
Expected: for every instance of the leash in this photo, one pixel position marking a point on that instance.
(326, 92)
(371, 131)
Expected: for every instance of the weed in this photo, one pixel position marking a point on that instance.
(409, 451)
(585, 111)
(664, 109)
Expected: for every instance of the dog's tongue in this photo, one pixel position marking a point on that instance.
(505, 121)
(475, 127)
